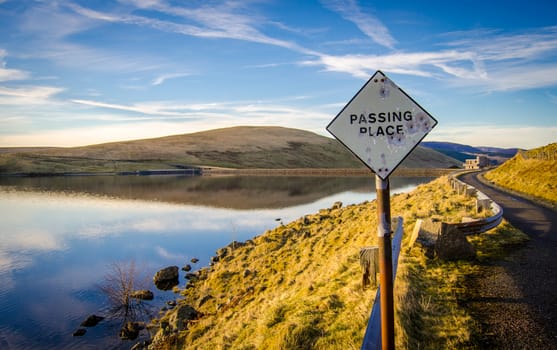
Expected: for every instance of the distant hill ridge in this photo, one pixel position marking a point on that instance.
(248, 147)
(463, 152)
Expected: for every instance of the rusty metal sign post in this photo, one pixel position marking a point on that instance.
(381, 125)
(385, 263)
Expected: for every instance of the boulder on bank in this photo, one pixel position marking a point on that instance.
(191, 276)
(166, 278)
(181, 317)
(130, 330)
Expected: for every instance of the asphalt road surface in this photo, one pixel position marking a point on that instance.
(515, 299)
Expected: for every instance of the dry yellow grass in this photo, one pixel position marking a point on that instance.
(299, 286)
(531, 175)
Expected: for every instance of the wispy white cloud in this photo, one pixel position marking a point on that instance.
(162, 78)
(481, 58)
(48, 28)
(492, 62)
(47, 21)
(218, 21)
(369, 24)
(479, 61)
(511, 77)
(163, 109)
(492, 45)
(269, 65)
(510, 61)
(121, 107)
(7, 74)
(28, 95)
(169, 108)
(424, 64)
(161, 118)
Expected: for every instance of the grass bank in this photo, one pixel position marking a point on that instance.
(298, 286)
(533, 172)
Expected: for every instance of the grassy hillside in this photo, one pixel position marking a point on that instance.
(533, 172)
(299, 286)
(238, 147)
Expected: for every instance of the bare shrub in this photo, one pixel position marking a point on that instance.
(120, 282)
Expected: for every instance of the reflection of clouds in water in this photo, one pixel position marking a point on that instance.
(10, 262)
(47, 221)
(185, 221)
(165, 254)
(8, 339)
(43, 222)
(33, 239)
(6, 282)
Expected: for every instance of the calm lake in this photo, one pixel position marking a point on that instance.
(63, 239)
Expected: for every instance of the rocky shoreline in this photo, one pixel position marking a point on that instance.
(165, 279)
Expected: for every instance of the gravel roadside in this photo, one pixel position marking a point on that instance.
(515, 299)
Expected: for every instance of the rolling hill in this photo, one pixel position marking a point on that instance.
(247, 147)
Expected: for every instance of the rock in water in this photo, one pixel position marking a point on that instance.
(92, 321)
(166, 278)
(142, 295)
(80, 332)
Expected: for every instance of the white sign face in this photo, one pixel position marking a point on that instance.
(381, 125)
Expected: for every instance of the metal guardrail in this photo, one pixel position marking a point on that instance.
(480, 225)
(372, 337)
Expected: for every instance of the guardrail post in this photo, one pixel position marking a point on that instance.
(385, 263)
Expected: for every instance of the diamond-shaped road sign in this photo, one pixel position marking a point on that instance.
(381, 125)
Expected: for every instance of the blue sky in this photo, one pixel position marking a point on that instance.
(84, 72)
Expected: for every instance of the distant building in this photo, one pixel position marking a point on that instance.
(476, 163)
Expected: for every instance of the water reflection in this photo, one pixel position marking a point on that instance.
(235, 192)
(58, 235)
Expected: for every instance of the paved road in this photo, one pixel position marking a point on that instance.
(516, 300)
